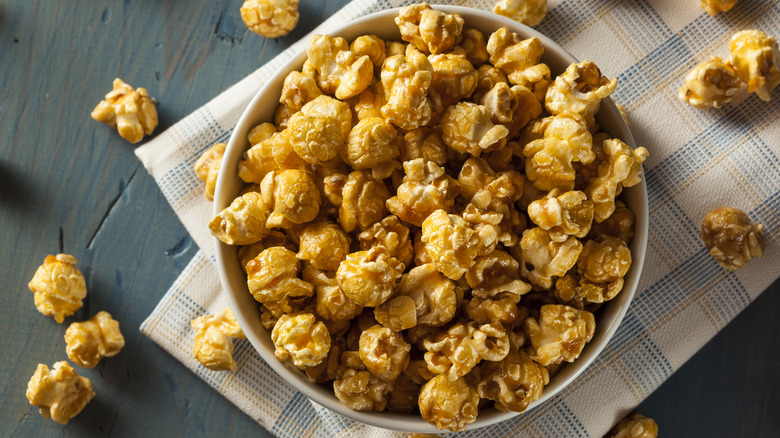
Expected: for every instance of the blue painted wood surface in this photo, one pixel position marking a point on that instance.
(69, 184)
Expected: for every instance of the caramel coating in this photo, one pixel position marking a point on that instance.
(450, 243)
(272, 278)
(373, 144)
(711, 84)
(756, 59)
(243, 222)
(291, 196)
(334, 305)
(131, 112)
(622, 168)
(713, 7)
(213, 346)
(435, 297)
(207, 167)
(384, 352)
(357, 388)
(731, 238)
(467, 128)
(298, 90)
(360, 197)
(323, 244)
(514, 382)
(301, 339)
(371, 46)
(392, 235)
(519, 59)
(528, 12)
(58, 287)
(635, 425)
(425, 189)
(579, 90)
(474, 45)
(454, 78)
(449, 404)
(319, 130)
(546, 257)
(270, 18)
(560, 334)
(369, 277)
(512, 107)
(274, 152)
(339, 72)
(406, 80)
(91, 340)
(496, 275)
(563, 214)
(429, 30)
(619, 224)
(59, 393)
(459, 349)
(399, 313)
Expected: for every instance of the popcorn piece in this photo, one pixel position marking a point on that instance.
(59, 393)
(528, 12)
(334, 305)
(756, 59)
(579, 90)
(91, 340)
(360, 197)
(405, 81)
(429, 30)
(326, 370)
(207, 167)
(514, 382)
(281, 115)
(425, 143)
(131, 112)
(602, 265)
(370, 102)
(404, 396)
(467, 128)
(425, 189)
(243, 222)
(319, 130)
(373, 144)
(324, 245)
(619, 224)
(475, 47)
(514, 56)
(302, 339)
(397, 314)
(563, 214)
(273, 153)
(384, 352)
(449, 404)
(213, 345)
(270, 18)
(731, 238)
(392, 235)
(459, 349)
(710, 84)
(487, 78)
(623, 168)
(58, 287)
(291, 197)
(371, 46)
(496, 275)
(339, 71)
(272, 278)
(298, 90)
(435, 297)
(560, 334)
(369, 277)
(358, 388)
(543, 258)
(454, 78)
(450, 243)
(635, 425)
(712, 7)
(512, 107)
(485, 311)
(260, 133)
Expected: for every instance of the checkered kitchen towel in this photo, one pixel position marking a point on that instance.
(698, 159)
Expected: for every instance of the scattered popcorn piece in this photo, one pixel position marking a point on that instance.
(712, 7)
(213, 345)
(710, 84)
(270, 18)
(756, 58)
(59, 393)
(58, 287)
(514, 382)
(302, 339)
(207, 167)
(528, 12)
(449, 404)
(634, 425)
(731, 238)
(560, 334)
(429, 30)
(131, 112)
(91, 340)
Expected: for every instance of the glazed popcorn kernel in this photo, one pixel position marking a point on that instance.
(319, 130)
(58, 287)
(425, 189)
(270, 18)
(339, 72)
(474, 45)
(542, 258)
(358, 388)
(291, 196)
(528, 12)
(274, 152)
(712, 7)
(272, 277)
(369, 277)
(467, 128)
(213, 346)
(435, 297)
(458, 350)
(323, 244)
(392, 235)
(373, 144)
(301, 339)
(710, 84)
(560, 334)
(91, 340)
(731, 238)
(496, 275)
(454, 78)
(131, 112)
(450, 243)
(371, 46)
(449, 404)
(512, 107)
(623, 168)
(485, 311)
(243, 222)
(405, 81)
(59, 393)
(514, 56)
(579, 90)
(514, 382)
(334, 305)
(360, 197)
(370, 102)
(298, 90)
(429, 30)
(634, 425)
(207, 167)
(399, 313)
(563, 214)
(756, 58)
(605, 259)
(384, 352)
(619, 224)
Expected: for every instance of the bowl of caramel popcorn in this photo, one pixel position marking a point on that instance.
(433, 219)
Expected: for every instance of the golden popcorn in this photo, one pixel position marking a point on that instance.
(496, 275)
(563, 214)
(435, 297)
(392, 235)
(207, 167)
(474, 45)
(513, 383)
(301, 339)
(601, 266)
(384, 352)
(635, 425)
(360, 197)
(213, 346)
(429, 30)
(131, 112)
(487, 78)
(405, 81)
(243, 222)
(403, 398)
(513, 55)
(528, 12)
(370, 102)
(560, 334)
(339, 72)
(425, 189)
(547, 257)
(371, 46)
(449, 404)
(260, 133)
(58, 287)
(623, 168)
(450, 243)
(756, 58)
(272, 277)
(712, 7)
(454, 78)
(319, 130)
(399, 313)
(59, 393)
(487, 310)
(91, 340)
(358, 388)
(467, 128)
(334, 305)
(369, 277)
(710, 84)
(459, 349)
(270, 18)
(298, 90)
(512, 107)
(291, 197)
(619, 224)
(373, 144)
(274, 152)
(579, 90)
(731, 238)
(324, 245)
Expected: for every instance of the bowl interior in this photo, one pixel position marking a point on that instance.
(245, 308)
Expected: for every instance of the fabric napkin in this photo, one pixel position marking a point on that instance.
(699, 159)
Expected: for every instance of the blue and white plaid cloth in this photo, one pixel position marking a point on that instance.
(698, 159)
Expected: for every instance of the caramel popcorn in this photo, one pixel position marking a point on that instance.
(459, 349)
(384, 352)
(449, 404)
(563, 214)
(467, 128)
(429, 30)
(91, 340)
(712, 7)
(58, 287)
(435, 297)
(635, 425)
(326, 370)
(399, 313)
(756, 59)
(371, 46)
(710, 84)
(243, 222)
(370, 102)
(731, 238)
(360, 197)
(392, 235)
(369, 277)
(358, 388)
(405, 81)
(515, 57)
(302, 339)
(272, 277)
(512, 107)
(425, 189)
(528, 12)
(623, 168)
(291, 197)
(513, 383)
(324, 245)
(450, 243)
(270, 18)
(260, 133)
(546, 257)
(619, 224)
(560, 334)
(214, 335)
(487, 78)
(275, 152)
(454, 78)
(601, 267)
(334, 305)
(496, 275)
(131, 112)
(298, 90)
(373, 144)
(207, 167)
(474, 45)
(579, 90)
(59, 393)
(339, 71)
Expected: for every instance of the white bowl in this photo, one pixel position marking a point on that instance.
(245, 308)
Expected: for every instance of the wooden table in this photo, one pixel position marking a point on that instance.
(70, 184)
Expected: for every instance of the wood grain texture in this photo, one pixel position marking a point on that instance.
(69, 184)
